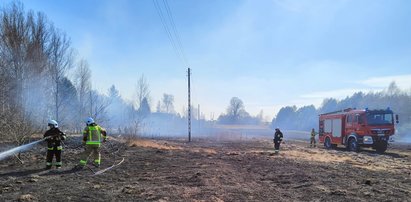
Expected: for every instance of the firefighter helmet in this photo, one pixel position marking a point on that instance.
(89, 121)
(53, 123)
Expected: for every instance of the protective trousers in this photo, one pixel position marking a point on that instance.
(91, 149)
(277, 146)
(312, 142)
(51, 152)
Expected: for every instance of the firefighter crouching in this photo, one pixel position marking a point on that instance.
(278, 138)
(312, 140)
(54, 137)
(93, 135)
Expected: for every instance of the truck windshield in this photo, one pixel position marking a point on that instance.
(379, 118)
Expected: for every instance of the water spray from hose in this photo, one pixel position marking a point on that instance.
(18, 149)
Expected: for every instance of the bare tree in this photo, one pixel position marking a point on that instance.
(168, 103)
(236, 113)
(133, 128)
(23, 39)
(236, 108)
(142, 90)
(60, 60)
(83, 86)
(136, 117)
(98, 105)
(14, 38)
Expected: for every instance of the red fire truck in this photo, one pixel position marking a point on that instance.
(357, 128)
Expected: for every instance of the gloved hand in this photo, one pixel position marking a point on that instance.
(104, 140)
(83, 143)
(62, 136)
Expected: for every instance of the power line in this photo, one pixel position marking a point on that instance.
(172, 33)
(171, 18)
(163, 21)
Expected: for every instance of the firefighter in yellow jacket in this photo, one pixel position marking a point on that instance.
(312, 139)
(93, 136)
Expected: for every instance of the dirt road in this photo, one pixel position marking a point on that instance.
(205, 170)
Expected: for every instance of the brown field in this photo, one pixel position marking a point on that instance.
(211, 170)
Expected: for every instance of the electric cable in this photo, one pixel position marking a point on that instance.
(176, 33)
(172, 32)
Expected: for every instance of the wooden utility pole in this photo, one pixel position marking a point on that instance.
(189, 107)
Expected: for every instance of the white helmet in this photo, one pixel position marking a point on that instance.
(53, 123)
(89, 121)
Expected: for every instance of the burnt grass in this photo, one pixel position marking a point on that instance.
(207, 170)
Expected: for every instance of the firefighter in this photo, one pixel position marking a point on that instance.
(312, 140)
(54, 138)
(278, 138)
(93, 135)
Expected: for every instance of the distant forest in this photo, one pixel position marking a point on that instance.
(305, 118)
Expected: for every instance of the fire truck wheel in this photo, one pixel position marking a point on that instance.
(353, 145)
(327, 143)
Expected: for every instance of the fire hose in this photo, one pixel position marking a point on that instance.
(112, 151)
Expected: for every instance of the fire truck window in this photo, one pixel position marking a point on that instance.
(378, 119)
(327, 126)
(357, 118)
(360, 119)
(348, 119)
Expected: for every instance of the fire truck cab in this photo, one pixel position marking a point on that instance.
(357, 128)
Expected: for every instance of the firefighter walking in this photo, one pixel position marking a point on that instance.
(312, 139)
(93, 136)
(278, 138)
(54, 138)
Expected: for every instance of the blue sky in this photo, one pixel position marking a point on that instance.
(269, 53)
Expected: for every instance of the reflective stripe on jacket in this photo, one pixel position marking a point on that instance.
(54, 137)
(93, 134)
(313, 134)
(278, 136)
